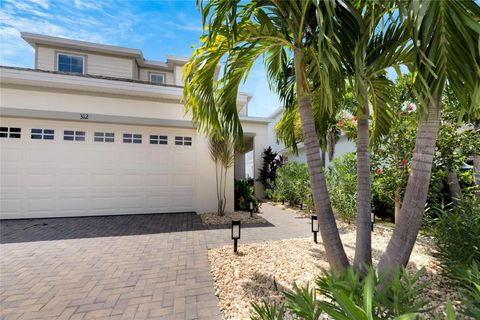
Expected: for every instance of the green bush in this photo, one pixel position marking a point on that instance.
(350, 296)
(244, 194)
(469, 279)
(457, 235)
(292, 184)
(342, 183)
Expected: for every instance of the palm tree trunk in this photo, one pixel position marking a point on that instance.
(363, 248)
(454, 187)
(409, 221)
(398, 203)
(476, 166)
(334, 250)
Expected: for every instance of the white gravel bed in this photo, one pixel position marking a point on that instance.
(243, 216)
(261, 271)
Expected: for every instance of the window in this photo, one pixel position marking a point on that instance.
(155, 139)
(70, 63)
(183, 141)
(43, 134)
(71, 135)
(157, 78)
(132, 138)
(104, 137)
(14, 133)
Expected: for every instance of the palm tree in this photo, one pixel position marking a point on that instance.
(445, 36)
(371, 38)
(239, 34)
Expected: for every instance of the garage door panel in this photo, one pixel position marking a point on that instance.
(72, 178)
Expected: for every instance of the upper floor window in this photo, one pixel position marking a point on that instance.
(70, 63)
(157, 78)
(74, 135)
(6, 132)
(43, 134)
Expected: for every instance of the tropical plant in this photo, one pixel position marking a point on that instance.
(268, 172)
(244, 194)
(445, 38)
(222, 153)
(292, 184)
(289, 35)
(342, 183)
(351, 295)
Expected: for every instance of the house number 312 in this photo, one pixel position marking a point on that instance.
(83, 116)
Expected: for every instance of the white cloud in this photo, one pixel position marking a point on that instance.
(82, 4)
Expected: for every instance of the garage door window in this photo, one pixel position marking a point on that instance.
(43, 134)
(104, 137)
(7, 132)
(71, 135)
(156, 139)
(183, 141)
(132, 138)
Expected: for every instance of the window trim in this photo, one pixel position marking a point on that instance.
(9, 133)
(132, 138)
(83, 56)
(74, 135)
(42, 134)
(183, 141)
(103, 136)
(163, 74)
(160, 139)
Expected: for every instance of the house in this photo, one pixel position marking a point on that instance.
(96, 129)
(343, 145)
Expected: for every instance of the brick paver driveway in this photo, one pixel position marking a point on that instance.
(119, 267)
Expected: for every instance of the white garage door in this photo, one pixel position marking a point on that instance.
(57, 169)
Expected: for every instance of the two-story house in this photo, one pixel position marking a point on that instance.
(96, 129)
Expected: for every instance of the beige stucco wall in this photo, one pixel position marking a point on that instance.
(144, 75)
(70, 104)
(96, 64)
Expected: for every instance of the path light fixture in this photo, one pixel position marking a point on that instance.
(250, 207)
(235, 233)
(373, 219)
(315, 228)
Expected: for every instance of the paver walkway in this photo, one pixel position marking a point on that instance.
(119, 267)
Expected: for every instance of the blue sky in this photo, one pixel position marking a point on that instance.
(157, 28)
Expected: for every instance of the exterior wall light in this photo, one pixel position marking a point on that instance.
(315, 228)
(235, 233)
(250, 206)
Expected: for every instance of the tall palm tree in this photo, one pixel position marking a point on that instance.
(371, 37)
(446, 40)
(237, 34)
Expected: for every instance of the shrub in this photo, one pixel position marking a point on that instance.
(469, 279)
(244, 194)
(342, 184)
(268, 172)
(457, 235)
(350, 296)
(292, 183)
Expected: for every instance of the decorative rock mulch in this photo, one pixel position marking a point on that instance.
(261, 271)
(243, 216)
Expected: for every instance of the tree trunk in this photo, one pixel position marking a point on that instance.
(363, 248)
(328, 227)
(409, 221)
(398, 203)
(454, 187)
(476, 167)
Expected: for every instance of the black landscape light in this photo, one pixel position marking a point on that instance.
(373, 219)
(315, 228)
(235, 233)
(250, 206)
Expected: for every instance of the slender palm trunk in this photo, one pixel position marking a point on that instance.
(409, 221)
(398, 203)
(476, 167)
(328, 227)
(363, 248)
(454, 187)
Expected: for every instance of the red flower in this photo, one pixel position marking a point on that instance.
(378, 171)
(410, 107)
(340, 123)
(404, 162)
